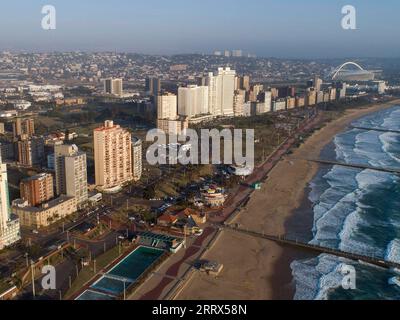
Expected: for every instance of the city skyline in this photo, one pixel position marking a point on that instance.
(269, 29)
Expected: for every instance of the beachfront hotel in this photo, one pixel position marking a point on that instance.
(112, 156)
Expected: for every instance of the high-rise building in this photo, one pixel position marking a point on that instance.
(255, 92)
(287, 92)
(300, 102)
(221, 88)
(317, 83)
(23, 127)
(137, 166)
(30, 151)
(153, 86)
(113, 86)
(37, 189)
(9, 224)
(193, 101)
(71, 172)
(237, 53)
(242, 83)
(167, 106)
(311, 97)
(112, 156)
(238, 103)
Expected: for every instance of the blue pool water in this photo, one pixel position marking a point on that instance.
(92, 295)
(125, 272)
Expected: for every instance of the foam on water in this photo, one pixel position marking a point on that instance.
(393, 251)
(350, 210)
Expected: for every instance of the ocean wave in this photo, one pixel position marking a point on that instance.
(353, 209)
(393, 251)
(389, 140)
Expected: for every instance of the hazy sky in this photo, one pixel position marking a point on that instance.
(280, 28)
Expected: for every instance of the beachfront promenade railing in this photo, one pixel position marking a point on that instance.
(318, 249)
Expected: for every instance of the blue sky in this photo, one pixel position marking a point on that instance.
(280, 28)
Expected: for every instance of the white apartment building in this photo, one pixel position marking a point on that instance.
(221, 92)
(9, 224)
(167, 106)
(193, 101)
(137, 165)
(71, 172)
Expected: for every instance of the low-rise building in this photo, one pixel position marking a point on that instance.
(46, 214)
(213, 197)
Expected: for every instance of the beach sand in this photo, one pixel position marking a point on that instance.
(256, 269)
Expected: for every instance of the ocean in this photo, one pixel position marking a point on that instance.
(357, 211)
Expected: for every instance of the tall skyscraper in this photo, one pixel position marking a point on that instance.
(71, 172)
(137, 166)
(23, 127)
(37, 189)
(113, 86)
(193, 101)
(112, 156)
(9, 224)
(153, 86)
(221, 92)
(167, 106)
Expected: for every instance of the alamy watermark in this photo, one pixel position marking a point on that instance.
(49, 278)
(188, 148)
(349, 20)
(349, 277)
(49, 21)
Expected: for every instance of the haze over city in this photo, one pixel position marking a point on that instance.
(266, 28)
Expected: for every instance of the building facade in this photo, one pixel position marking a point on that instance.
(71, 172)
(37, 189)
(30, 151)
(137, 165)
(23, 127)
(193, 101)
(221, 92)
(9, 224)
(112, 156)
(113, 86)
(46, 214)
(167, 106)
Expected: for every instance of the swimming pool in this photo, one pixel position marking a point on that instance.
(93, 295)
(125, 273)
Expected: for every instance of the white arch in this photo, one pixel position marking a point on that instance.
(336, 72)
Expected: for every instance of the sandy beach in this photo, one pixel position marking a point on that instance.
(257, 269)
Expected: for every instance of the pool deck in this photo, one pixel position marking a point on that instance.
(170, 273)
(110, 267)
